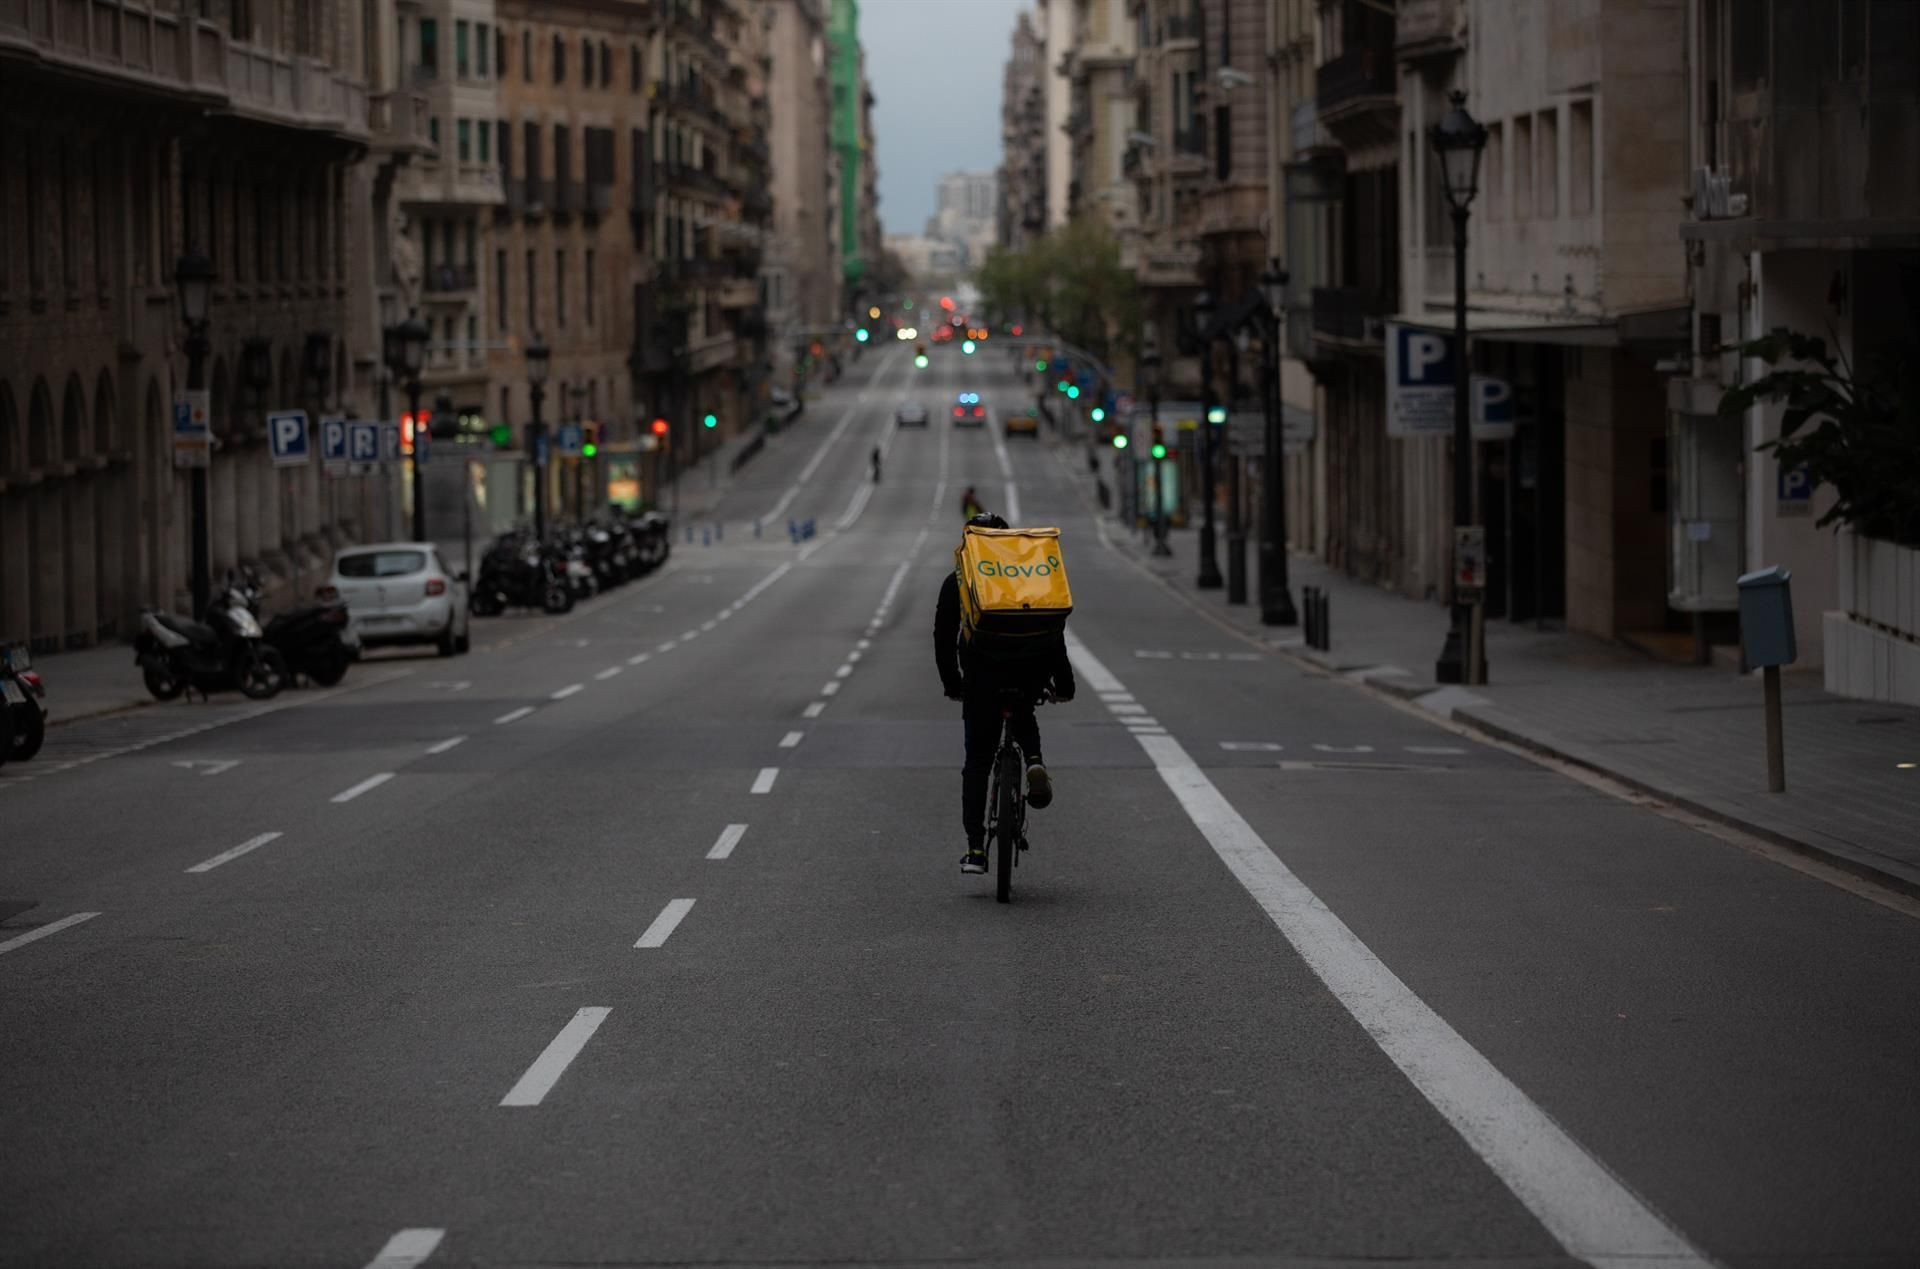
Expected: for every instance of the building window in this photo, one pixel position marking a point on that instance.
(461, 68)
(500, 51)
(463, 132)
(533, 293)
(1580, 173)
(470, 257)
(633, 68)
(506, 406)
(590, 286)
(473, 338)
(433, 130)
(482, 49)
(586, 61)
(1493, 183)
(505, 135)
(606, 65)
(500, 300)
(486, 142)
(526, 56)
(1222, 140)
(560, 289)
(1747, 31)
(429, 47)
(559, 60)
(1547, 165)
(1522, 167)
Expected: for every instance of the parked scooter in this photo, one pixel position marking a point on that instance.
(23, 705)
(228, 650)
(653, 539)
(317, 640)
(520, 572)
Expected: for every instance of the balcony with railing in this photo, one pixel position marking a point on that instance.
(398, 122)
(450, 280)
(1351, 315)
(1179, 27)
(1358, 92)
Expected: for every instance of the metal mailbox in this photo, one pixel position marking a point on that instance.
(1766, 617)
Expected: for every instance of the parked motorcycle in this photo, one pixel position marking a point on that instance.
(317, 640)
(23, 705)
(653, 539)
(519, 572)
(227, 650)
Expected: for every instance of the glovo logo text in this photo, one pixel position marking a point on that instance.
(992, 568)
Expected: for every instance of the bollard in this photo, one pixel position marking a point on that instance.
(1767, 643)
(1326, 622)
(689, 535)
(706, 535)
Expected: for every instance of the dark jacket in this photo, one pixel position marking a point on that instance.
(964, 672)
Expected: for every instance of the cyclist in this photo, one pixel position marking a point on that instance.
(970, 504)
(977, 683)
(874, 458)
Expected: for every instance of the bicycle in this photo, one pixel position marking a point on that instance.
(1007, 803)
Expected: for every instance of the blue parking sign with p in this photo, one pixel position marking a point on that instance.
(287, 438)
(333, 446)
(363, 443)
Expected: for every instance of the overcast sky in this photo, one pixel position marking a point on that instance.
(935, 66)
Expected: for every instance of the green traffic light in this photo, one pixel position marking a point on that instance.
(1060, 386)
(1120, 440)
(501, 435)
(909, 303)
(712, 420)
(861, 334)
(1099, 415)
(920, 360)
(966, 347)
(1041, 365)
(1073, 392)
(1159, 450)
(1218, 414)
(589, 450)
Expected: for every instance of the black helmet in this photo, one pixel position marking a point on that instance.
(987, 520)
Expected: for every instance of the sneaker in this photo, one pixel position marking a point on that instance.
(975, 860)
(1039, 787)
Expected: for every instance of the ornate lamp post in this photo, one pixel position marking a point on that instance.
(539, 362)
(1276, 597)
(1458, 139)
(1209, 578)
(410, 343)
(193, 277)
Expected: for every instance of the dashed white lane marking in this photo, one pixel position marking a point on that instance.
(1111, 697)
(667, 922)
(567, 691)
(791, 739)
(814, 710)
(365, 786)
(444, 745)
(1118, 708)
(407, 1249)
(688, 636)
(51, 927)
(763, 783)
(710, 623)
(1141, 722)
(609, 672)
(843, 671)
(1250, 746)
(515, 715)
(864, 644)
(226, 856)
(638, 658)
(1344, 748)
(729, 838)
(1583, 1205)
(668, 646)
(828, 689)
(855, 654)
(556, 1057)
(1447, 750)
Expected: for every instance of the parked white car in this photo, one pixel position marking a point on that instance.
(401, 592)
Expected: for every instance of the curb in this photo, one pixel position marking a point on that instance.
(104, 711)
(1850, 861)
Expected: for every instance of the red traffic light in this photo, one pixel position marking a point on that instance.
(659, 427)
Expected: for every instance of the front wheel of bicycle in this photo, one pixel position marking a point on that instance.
(1006, 823)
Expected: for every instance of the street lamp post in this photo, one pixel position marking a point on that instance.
(1276, 596)
(406, 348)
(1156, 502)
(539, 361)
(579, 394)
(193, 276)
(1236, 522)
(1458, 139)
(1209, 578)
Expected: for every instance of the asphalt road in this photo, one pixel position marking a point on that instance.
(638, 937)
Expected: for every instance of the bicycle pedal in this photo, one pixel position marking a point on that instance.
(1023, 843)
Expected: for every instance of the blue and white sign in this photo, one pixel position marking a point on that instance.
(333, 446)
(192, 429)
(1492, 408)
(1419, 382)
(389, 442)
(363, 445)
(287, 438)
(568, 438)
(540, 450)
(1793, 494)
(422, 445)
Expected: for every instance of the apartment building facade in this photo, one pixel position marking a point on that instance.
(1100, 115)
(1021, 216)
(803, 280)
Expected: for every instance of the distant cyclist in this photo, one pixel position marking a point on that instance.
(977, 683)
(875, 459)
(970, 505)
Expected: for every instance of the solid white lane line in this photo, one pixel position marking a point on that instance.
(828, 689)
(514, 716)
(843, 671)
(407, 1249)
(367, 785)
(814, 710)
(669, 920)
(444, 745)
(791, 739)
(567, 691)
(763, 783)
(855, 505)
(252, 843)
(638, 658)
(608, 673)
(1588, 1210)
(729, 838)
(555, 1058)
(51, 927)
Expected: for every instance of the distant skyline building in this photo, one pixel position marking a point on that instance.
(964, 213)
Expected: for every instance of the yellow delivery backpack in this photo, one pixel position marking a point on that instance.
(1014, 597)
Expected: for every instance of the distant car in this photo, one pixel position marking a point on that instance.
(968, 410)
(910, 414)
(401, 592)
(1023, 425)
(783, 407)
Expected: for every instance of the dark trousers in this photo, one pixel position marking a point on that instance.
(982, 718)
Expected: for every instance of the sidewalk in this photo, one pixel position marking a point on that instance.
(1690, 736)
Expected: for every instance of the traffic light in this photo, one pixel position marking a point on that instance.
(589, 439)
(861, 334)
(661, 430)
(1061, 386)
(873, 311)
(501, 435)
(1159, 449)
(966, 347)
(1040, 365)
(1218, 414)
(1099, 415)
(710, 420)
(1073, 392)
(409, 422)
(920, 360)
(1119, 440)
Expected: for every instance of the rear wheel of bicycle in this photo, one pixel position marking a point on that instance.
(1006, 824)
